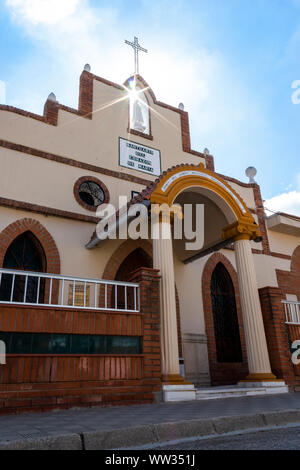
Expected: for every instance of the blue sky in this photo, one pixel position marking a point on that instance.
(231, 62)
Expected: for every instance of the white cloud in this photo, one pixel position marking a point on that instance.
(287, 202)
(42, 11)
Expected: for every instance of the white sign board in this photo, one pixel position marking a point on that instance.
(139, 157)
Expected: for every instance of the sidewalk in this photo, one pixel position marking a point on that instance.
(118, 427)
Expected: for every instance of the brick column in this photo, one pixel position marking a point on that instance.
(85, 104)
(277, 333)
(261, 219)
(51, 111)
(149, 281)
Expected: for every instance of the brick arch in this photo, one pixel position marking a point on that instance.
(117, 259)
(121, 254)
(12, 231)
(222, 373)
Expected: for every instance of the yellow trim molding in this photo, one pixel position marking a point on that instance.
(241, 230)
(261, 378)
(175, 181)
(174, 379)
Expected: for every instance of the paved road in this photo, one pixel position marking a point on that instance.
(287, 438)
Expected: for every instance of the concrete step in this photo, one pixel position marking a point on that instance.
(213, 393)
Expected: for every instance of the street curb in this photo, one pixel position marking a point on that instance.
(64, 442)
(134, 437)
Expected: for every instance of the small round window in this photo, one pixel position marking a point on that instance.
(90, 192)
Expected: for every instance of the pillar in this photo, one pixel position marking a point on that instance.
(256, 344)
(174, 386)
(163, 260)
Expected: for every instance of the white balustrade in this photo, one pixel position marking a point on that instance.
(292, 312)
(53, 290)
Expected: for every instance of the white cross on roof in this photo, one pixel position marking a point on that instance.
(137, 48)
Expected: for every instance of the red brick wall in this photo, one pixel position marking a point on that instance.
(86, 89)
(43, 382)
(36, 319)
(279, 335)
(222, 373)
(51, 112)
(294, 335)
(148, 280)
(289, 281)
(276, 331)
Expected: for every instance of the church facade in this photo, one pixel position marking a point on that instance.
(86, 320)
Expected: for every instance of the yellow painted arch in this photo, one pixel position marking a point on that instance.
(180, 178)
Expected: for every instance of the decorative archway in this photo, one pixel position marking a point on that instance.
(15, 229)
(222, 373)
(182, 177)
(239, 228)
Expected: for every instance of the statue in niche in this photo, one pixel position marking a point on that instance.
(137, 118)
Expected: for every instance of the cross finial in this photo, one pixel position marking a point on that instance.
(137, 48)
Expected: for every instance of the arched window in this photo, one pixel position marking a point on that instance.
(139, 111)
(226, 325)
(24, 254)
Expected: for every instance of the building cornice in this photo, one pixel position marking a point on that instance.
(38, 209)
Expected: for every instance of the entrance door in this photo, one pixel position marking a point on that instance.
(226, 325)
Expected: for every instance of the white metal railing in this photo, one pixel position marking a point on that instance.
(53, 290)
(292, 312)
